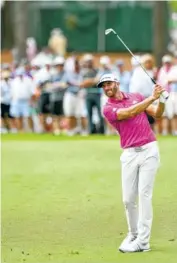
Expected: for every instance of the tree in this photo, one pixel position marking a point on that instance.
(160, 26)
(20, 26)
(6, 28)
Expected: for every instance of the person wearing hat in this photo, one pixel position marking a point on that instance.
(74, 102)
(105, 68)
(22, 90)
(138, 77)
(126, 112)
(57, 94)
(93, 95)
(44, 85)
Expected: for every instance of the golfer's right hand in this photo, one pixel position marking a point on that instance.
(157, 91)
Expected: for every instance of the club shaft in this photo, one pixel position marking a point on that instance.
(135, 58)
(165, 94)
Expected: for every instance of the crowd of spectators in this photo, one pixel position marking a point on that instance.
(58, 95)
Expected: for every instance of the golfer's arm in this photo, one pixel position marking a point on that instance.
(156, 111)
(134, 110)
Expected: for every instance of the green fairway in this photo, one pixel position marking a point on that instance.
(61, 201)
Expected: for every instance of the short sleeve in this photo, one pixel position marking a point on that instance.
(110, 113)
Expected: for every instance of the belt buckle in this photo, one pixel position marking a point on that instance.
(138, 149)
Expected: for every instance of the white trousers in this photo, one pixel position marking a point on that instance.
(139, 167)
(74, 105)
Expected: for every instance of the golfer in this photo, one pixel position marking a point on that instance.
(126, 112)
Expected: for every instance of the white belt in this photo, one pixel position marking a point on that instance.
(141, 148)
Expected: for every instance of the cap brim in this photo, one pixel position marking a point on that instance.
(99, 85)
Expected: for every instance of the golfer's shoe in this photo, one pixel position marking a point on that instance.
(129, 238)
(135, 246)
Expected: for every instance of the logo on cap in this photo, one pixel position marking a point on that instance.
(107, 77)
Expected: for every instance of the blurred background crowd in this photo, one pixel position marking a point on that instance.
(51, 87)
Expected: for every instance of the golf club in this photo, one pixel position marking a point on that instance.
(165, 94)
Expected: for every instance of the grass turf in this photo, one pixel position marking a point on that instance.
(61, 201)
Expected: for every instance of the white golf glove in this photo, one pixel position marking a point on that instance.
(164, 96)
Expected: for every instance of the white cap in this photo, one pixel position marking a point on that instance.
(58, 61)
(36, 63)
(107, 77)
(47, 61)
(104, 60)
(166, 59)
(145, 58)
(134, 62)
(87, 57)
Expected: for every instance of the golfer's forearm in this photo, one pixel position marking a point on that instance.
(135, 109)
(160, 110)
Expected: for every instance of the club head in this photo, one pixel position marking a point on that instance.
(109, 30)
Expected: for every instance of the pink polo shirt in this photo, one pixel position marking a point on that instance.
(134, 132)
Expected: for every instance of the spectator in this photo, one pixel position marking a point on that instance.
(123, 75)
(74, 106)
(172, 80)
(139, 77)
(6, 118)
(93, 95)
(31, 48)
(43, 79)
(134, 63)
(57, 93)
(105, 68)
(21, 92)
(58, 42)
(70, 62)
(162, 79)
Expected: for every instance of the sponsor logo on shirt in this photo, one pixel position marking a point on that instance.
(134, 102)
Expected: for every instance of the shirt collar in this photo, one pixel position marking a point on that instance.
(125, 96)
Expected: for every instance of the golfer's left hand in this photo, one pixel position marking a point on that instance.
(157, 91)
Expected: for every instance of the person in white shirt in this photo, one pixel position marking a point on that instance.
(22, 89)
(74, 102)
(134, 63)
(141, 83)
(139, 77)
(5, 96)
(70, 62)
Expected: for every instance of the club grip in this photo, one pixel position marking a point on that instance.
(153, 81)
(165, 94)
